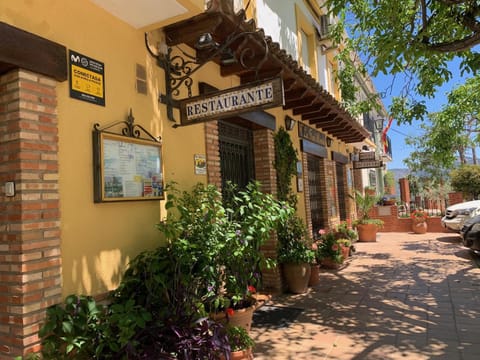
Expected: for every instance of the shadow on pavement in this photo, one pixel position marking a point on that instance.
(416, 300)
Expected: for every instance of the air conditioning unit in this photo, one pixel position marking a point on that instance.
(324, 26)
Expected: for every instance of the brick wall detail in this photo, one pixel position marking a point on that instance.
(455, 198)
(30, 259)
(264, 154)
(213, 153)
(404, 190)
(393, 223)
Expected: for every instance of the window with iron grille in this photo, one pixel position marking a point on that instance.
(315, 189)
(236, 154)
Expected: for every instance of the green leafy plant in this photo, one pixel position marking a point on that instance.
(330, 246)
(82, 329)
(254, 215)
(211, 258)
(239, 339)
(345, 231)
(285, 165)
(365, 203)
(70, 329)
(294, 244)
(217, 239)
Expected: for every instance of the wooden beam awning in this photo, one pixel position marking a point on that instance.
(21, 49)
(303, 94)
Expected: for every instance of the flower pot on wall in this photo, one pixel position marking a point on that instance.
(367, 232)
(419, 227)
(297, 277)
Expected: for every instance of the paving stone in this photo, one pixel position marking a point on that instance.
(403, 297)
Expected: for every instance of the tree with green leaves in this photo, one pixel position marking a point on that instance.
(456, 125)
(415, 39)
(467, 180)
(451, 136)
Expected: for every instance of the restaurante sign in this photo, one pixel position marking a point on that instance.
(225, 103)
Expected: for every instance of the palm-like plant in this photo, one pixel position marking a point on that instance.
(365, 202)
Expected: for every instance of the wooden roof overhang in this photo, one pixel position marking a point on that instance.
(303, 95)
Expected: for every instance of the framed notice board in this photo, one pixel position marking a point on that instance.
(126, 168)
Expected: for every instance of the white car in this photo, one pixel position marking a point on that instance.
(457, 214)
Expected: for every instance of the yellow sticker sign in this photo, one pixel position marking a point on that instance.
(87, 79)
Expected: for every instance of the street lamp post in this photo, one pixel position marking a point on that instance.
(379, 122)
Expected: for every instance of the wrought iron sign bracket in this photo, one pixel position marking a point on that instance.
(179, 70)
(130, 129)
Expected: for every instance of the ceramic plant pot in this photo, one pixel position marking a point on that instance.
(297, 277)
(419, 227)
(367, 232)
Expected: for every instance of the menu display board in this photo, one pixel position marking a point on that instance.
(126, 168)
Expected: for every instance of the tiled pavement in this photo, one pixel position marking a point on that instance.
(405, 296)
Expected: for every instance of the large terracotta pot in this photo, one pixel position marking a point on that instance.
(240, 317)
(246, 354)
(314, 275)
(367, 232)
(297, 276)
(419, 227)
(242, 355)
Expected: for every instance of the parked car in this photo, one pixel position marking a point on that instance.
(456, 215)
(471, 233)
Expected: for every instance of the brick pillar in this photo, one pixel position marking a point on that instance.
(358, 180)
(30, 261)
(455, 198)
(404, 191)
(213, 153)
(264, 149)
(329, 193)
(306, 194)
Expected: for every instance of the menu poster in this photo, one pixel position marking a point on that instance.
(127, 168)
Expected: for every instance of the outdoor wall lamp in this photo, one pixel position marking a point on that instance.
(379, 123)
(289, 123)
(180, 68)
(329, 141)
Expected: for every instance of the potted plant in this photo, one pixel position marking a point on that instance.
(216, 238)
(367, 227)
(419, 221)
(295, 254)
(345, 231)
(332, 251)
(241, 344)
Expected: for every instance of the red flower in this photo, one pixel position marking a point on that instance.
(230, 312)
(252, 289)
(335, 247)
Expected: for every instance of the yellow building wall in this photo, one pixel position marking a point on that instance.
(98, 240)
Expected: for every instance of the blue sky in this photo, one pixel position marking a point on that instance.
(398, 133)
